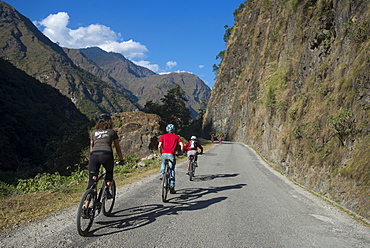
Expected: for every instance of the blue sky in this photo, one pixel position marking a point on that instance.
(165, 36)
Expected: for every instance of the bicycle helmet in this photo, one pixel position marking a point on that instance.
(104, 116)
(193, 137)
(170, 128)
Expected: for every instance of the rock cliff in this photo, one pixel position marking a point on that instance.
(294, 83)
(138, 132)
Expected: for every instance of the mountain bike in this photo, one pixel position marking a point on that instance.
(93, 201)
(192, 167)
(166, 180)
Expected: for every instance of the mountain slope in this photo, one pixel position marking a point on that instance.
(146, 85)
(42, 130)
(27, 48)
(116, 65)
(294, 83)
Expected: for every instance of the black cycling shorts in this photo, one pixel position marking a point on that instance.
(98, 158)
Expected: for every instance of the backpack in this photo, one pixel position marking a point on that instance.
(193, 144)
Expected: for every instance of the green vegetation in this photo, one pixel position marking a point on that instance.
(342, 124)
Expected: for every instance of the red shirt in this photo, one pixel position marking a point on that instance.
(169, 143)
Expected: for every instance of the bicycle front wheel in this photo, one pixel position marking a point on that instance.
(86, 212)
(108, 201)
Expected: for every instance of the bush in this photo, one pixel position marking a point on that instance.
(6, 190)
(42, 182)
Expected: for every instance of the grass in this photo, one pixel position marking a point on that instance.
(19, 210)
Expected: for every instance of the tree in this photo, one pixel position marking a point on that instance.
(174, 107)
(153, 108)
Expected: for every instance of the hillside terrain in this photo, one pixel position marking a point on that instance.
(143, 84)
(22, 44)
(42, 130)
(92, 82)
(294, 83)
(95, 80)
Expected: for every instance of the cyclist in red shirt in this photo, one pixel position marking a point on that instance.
(167, 146)
(192, 149)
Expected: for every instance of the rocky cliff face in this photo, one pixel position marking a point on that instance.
(294, 83)
(138, 132)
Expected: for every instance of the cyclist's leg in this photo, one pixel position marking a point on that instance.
(192, 152)
(94, 166)
(164, 157)
(107, 160)
(172, 170)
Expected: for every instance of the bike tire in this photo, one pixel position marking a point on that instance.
(165, 186)
(109, 203)
(85, 217)
(191, 171)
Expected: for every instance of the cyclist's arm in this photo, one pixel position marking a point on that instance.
(182, 146)
(185, 147)
(118, 149)
(160, 147)
(91, 145)
(201, 147)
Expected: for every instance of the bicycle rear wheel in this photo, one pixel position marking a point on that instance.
(85, 215)
(109, 202)
(191, 171)
(165, 184)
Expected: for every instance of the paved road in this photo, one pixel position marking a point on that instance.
(235, 201)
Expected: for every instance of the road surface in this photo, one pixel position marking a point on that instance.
(235, 200)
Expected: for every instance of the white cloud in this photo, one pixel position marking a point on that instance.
(93, 35)
(130, 49)
(147, 64)
(201, 66)
(171, 64)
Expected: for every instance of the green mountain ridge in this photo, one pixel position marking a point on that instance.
(144, 84)
(95, 80)
(22, 44)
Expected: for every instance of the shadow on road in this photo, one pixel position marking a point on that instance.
(188, 199)
(202, 178)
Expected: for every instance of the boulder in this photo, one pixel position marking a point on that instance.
(138, 132)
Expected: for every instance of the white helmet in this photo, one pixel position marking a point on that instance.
(193, 137)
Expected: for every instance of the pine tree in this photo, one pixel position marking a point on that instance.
(174, 108)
